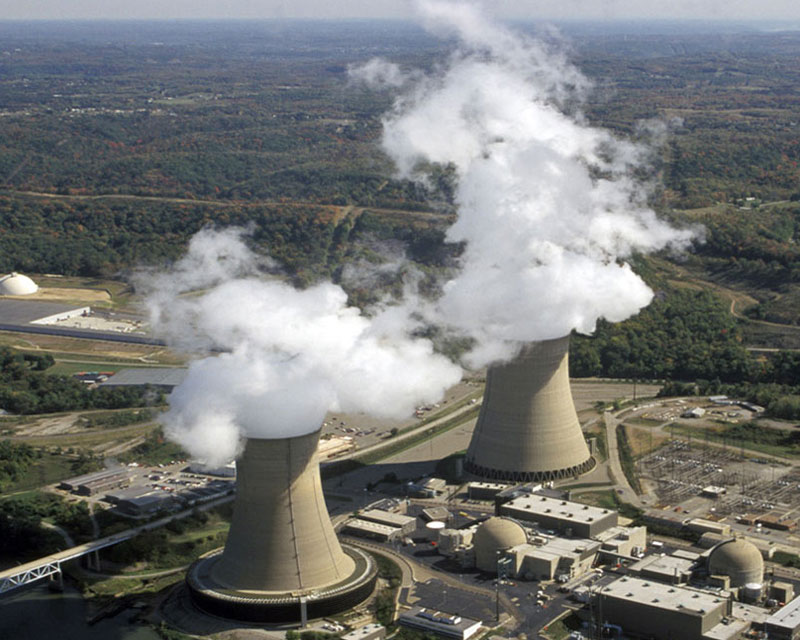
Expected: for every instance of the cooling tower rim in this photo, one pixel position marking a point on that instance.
(364, 574)
(284, 437)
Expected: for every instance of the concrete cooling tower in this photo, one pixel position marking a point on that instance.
(282, 561)
(528, 429)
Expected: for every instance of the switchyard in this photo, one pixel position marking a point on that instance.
(698, 480)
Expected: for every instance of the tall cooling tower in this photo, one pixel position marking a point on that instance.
(527, 429)
(282, 560)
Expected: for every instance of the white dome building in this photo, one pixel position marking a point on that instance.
(16, 284)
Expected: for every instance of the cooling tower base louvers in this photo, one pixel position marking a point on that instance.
(277, 607)
(505, 475)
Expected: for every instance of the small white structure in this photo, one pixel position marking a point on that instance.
(16, 284)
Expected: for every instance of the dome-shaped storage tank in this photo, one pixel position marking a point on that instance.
(16, 284)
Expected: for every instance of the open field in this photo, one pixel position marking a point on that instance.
(88, 350)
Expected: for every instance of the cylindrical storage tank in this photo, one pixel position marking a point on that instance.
(738, 559)
(751, 592)
(281, 537)
(528, 429)
(494, 536)
(433, 529)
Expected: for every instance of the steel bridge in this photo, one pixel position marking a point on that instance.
(50, 566)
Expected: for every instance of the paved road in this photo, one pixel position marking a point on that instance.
(410, 433)
(622, 486)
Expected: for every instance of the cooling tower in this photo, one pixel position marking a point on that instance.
(282, 561)
(527, 429)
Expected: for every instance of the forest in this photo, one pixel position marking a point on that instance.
(117, 146)
(26, 389)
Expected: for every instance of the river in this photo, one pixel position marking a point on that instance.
(36, 613)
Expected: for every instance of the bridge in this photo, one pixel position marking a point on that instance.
(50, 566)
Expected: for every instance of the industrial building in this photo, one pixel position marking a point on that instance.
(372, 530)
(141, 501)
(485, 490)
(406, 525)
(670, 569)
(90, 484)
(564, 516)
(528, 429)
(554, 557)
(442, 624)
(282, 561)
(784, 624)
(161, 378)
(665, 612)
(372, 631)
(623, 541)
(501, 545)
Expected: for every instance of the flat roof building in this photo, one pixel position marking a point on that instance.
(485, 490)
(784, 624)
(568, 557)
(406, 524)
(667, 569)
(91, 483)
(570, 518)
(666, 612)
(440, 623)
(161, 377)
(374, 530)
(372, 631)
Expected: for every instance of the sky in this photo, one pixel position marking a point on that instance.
(503, 9)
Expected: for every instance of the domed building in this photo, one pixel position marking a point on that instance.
(493, 536)
(16, 284)
(738, 559)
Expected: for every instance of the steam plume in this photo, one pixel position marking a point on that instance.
(287, 356)
(547, 207)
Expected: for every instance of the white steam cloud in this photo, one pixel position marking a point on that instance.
(286, 356)
(546, 203)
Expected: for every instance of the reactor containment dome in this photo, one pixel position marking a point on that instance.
(493, 536)
(282, 561)
(739, 559)
(528, 430)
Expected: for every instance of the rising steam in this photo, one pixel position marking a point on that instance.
(285, 356)
(546, 203)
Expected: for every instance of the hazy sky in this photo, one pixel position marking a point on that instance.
(530, 9)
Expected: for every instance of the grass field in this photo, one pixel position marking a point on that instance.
(738, 443)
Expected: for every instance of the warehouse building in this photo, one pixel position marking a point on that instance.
(405, 524)
(372, 530)
(99, 481)
(666, 612)
(568, 518)
(162, 378)
(784, 624)
(442, 624)
(485, 490)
